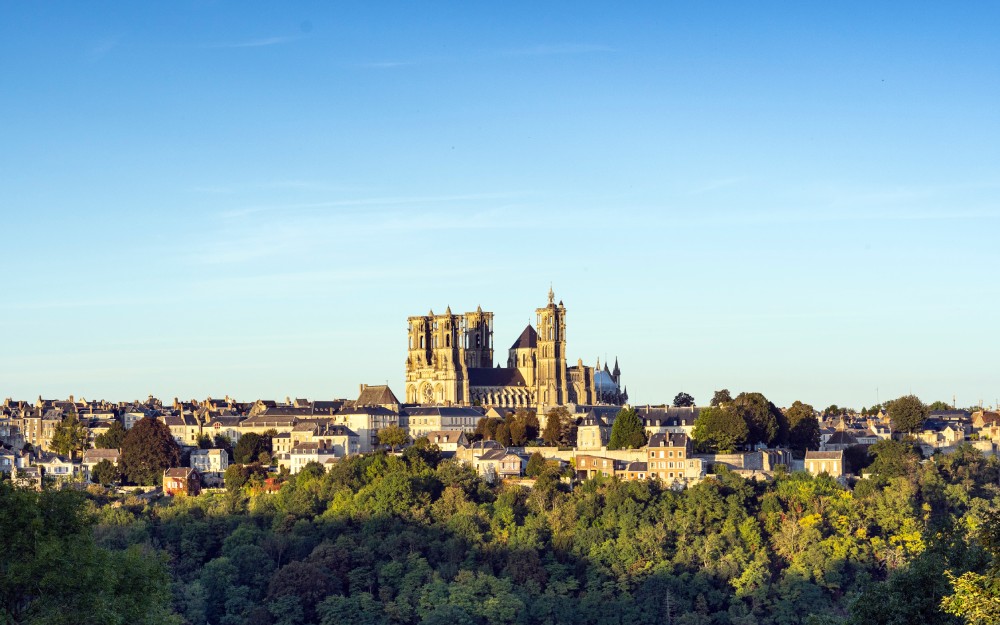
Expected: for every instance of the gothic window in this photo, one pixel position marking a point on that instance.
(435, 341)
(550, 333)
(479, 340)
(447, 340)
(411, 342)
(421, 342)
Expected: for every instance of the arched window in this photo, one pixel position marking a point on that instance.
(550, 333)
(411, 342)
(421, 342)
(435, 342)
(447, 340)
(479, 340)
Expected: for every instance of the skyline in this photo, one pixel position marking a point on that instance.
(212, 198)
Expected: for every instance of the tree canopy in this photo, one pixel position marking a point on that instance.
(147, 450)
(70, 436)
(560, 428)
(721, 397)
(627, 432)
(907, 413)
(252, 447)
(683, 400)
(393, 437)
(112, 438)
(803, 428)
(720, 429)
(765, 423)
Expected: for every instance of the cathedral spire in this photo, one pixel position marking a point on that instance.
(552, 296)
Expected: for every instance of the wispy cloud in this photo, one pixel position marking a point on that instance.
(386, 64)
(550, 49)
(101, 49)
(715, 185)
(253, 43)
(387, 202)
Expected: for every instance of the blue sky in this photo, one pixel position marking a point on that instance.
(203, 198)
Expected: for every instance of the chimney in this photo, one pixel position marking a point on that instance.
(361, 388)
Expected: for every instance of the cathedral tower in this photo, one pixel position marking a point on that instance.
(551, 371)
(478, 338)
(436, 372)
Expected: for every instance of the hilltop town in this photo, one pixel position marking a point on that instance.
(505, 422)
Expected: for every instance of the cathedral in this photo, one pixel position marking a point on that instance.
(450, 362)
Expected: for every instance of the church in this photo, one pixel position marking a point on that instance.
(450, 362)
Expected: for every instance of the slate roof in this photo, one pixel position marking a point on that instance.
(668, 416)
(495, 376)
(181, 472)
(637, 466)
(824, 455)
(668, 440)
(444, 411)
(444, 436)
(528, 338)
(841, 438)
(376, 395)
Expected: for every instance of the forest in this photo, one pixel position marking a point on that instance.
(414, 538)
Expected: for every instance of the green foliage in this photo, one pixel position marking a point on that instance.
(105, 473)
(627, 432)
(765, 423)
(721, 397)
(683, 400)
(393, 436)
(52, 573)
(418, 539)
(112, 438)
(70, 436)
(238, 475)
(803, 428)
(939, 405)
(147, 450)
(252, 448)
(720, 429)
(907, 413)
(560, 428)
(536, 464)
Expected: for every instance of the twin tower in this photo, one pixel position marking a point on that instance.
(450, 362)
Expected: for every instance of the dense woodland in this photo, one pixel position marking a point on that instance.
(414, 539)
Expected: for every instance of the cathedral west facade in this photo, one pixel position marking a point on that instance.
(450, 362)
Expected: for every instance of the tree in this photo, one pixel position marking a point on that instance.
(518, 433)
(204, 441)
(627, 432)
(147, 450)
(720, 428)
(683, 400)
(536, 464)
(70, 436)
(250, 448)
(765, 423)
(239, 474)
(393, 436)
(560, 428)
(721, 397)
(976, 597)
(892, 459)
(105, 473)
(803, 427)
(530, 421)
(112, 438)
(907, 413)
(939, 405)
(486, 428)
(503, 435)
